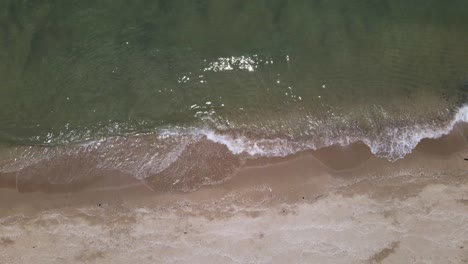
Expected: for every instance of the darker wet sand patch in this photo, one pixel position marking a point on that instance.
(87, 256)
(6, 241)
(446, 145)
(344, 157)
(252, 214)
(384, 253)
(285, 211)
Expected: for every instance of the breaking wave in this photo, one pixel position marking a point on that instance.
(393, 143)
(181, 154)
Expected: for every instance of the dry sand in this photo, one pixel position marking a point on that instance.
(336, 205)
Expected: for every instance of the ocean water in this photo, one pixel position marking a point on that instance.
(141, 85)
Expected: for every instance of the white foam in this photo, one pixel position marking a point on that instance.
(392, 144)
(402, 141)
(242, 144)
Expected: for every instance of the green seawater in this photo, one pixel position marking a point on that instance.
(78, 70)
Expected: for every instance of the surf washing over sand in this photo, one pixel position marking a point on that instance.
(146, 154)
(392, 144)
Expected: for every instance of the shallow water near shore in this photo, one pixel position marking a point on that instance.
(301, 70)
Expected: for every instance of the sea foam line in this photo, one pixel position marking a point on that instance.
(392, 144)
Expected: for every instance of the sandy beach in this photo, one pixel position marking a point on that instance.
(335, 205)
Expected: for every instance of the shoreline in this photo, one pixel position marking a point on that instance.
(214, 164)
(314, 198)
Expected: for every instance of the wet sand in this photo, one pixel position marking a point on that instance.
(335, 205)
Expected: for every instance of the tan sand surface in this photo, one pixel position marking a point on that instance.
(336, 205)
